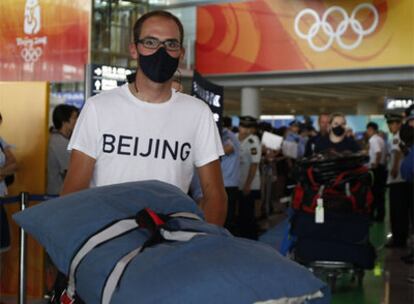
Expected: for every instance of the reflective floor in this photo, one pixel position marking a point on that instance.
(387, 283)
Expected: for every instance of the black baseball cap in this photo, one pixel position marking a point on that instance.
(248, 122)
(392, 117)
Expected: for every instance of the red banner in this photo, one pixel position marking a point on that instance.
(44, 40)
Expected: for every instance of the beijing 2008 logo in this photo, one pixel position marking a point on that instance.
(31, 46)
(322, 25)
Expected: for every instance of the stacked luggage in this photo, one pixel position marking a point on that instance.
(342, 183)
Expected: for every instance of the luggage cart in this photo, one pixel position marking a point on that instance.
(330, 271)
(339, 245)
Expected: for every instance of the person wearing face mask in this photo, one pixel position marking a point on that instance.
(336, 139)
(146, 130)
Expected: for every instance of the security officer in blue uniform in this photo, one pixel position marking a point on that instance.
(249, 185)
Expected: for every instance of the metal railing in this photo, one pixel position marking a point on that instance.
(23, 198)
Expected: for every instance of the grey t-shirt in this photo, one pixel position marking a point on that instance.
(57, 162)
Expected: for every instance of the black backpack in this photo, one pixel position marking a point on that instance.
(9, 179)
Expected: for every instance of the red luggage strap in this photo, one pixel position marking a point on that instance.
(147, 219)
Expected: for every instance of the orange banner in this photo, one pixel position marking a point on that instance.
(280, 35)
(44, 39)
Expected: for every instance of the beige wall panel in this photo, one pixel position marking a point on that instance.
(23, 106)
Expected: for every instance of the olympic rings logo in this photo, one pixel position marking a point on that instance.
(336, 34)
(31, 55)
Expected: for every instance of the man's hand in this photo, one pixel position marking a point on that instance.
(394, 172)
(246, 189)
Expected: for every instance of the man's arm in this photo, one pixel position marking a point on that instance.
(11, 164)
(377, 161)
(214, 202)
(395, 168)
(249, 179)
(79, 173)
(228, 148)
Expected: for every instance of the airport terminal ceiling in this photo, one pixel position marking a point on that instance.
(314, 93)
(315, 99)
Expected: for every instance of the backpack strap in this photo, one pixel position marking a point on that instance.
(159, 234)
(108, 233)
(147, 219)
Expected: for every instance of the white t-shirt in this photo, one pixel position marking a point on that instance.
(393, 148)
(377, 144)
(250, 153)
(134, 140)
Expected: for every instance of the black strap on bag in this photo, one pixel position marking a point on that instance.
(9, 179)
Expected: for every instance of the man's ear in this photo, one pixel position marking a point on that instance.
(133, 51)
(182, 54)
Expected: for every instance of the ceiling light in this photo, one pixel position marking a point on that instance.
(273, 117)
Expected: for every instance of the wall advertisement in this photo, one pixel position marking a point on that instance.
(301, 35)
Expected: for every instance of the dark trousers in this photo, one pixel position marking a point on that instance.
(378, 191)
(399, 197)
(232, 195)
(246, 222)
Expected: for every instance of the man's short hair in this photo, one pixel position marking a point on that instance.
(372, 125)
(335, 115)
(393, 117)
(158, 13)
(409, 112)
(227, 122)
(61, 114)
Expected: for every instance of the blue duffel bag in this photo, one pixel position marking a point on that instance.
(210, 266)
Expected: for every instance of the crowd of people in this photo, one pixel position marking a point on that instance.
(264, 173)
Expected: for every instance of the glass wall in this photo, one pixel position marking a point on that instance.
(112, 21)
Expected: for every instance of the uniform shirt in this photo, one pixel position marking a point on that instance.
(134, 140)
(230, 164)
(377, 144)
(57, 162)
(250, 153)
(5, 145)
(299, 140)
(393, 148)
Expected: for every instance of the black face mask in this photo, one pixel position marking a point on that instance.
(338, 130)
(159, 67)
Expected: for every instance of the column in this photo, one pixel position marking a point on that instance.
(367, 107)
(250, 102)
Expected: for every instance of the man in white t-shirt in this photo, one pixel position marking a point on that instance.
(249, 185)
(377, 157)
(145, 130)
(399, 190)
